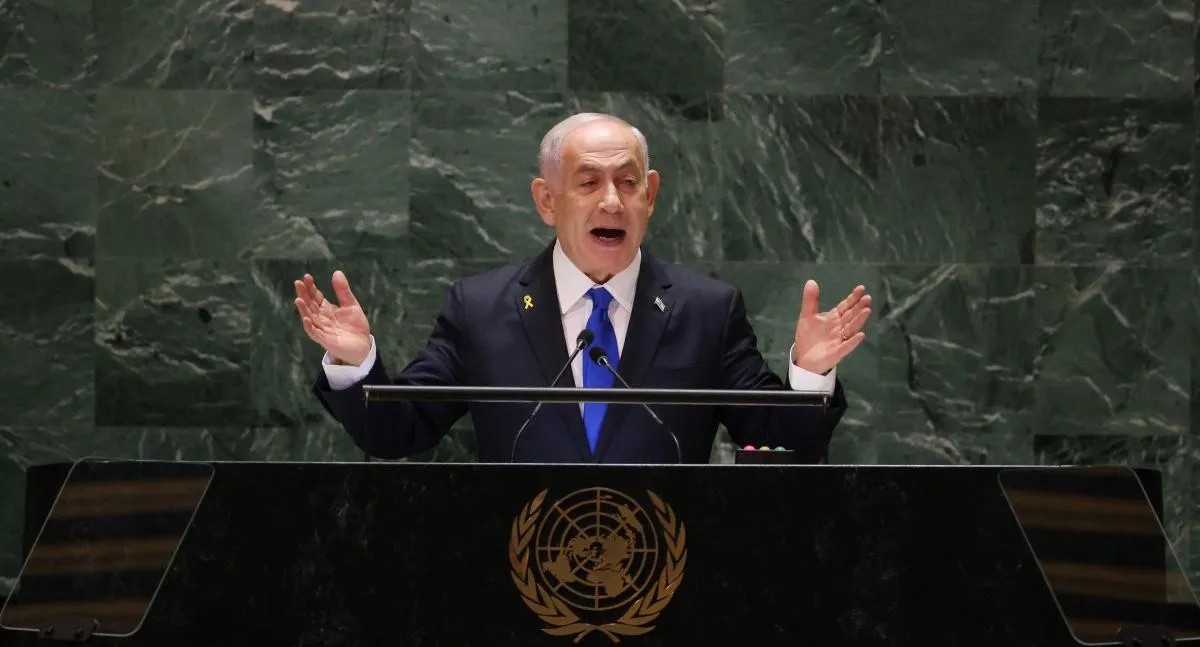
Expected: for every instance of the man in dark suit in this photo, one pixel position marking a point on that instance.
(660, 324)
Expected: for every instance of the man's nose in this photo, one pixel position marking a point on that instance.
(612, 200)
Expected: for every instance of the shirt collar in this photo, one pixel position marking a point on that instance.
(573, 284)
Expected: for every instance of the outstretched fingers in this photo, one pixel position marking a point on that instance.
(853, 299)
(308, 303)
(341, 288)
(853, 327)
(307, 290)
(315, 296)
(847, 346)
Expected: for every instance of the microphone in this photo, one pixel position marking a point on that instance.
(600, 357)
(582, 341)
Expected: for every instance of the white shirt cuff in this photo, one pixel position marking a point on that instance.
(344, 376)
(802, 380)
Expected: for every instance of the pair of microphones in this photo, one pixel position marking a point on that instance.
(597, 355)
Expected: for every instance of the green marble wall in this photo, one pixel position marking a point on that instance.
(1014, 180)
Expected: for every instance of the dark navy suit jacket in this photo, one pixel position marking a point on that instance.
(485, 336)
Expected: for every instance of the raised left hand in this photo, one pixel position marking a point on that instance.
(824, 338)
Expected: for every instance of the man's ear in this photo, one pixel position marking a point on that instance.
(652, 182)
(543, 199)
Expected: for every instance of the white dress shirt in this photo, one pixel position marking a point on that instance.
(573, 286)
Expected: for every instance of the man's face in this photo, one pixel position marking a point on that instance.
(601, 203)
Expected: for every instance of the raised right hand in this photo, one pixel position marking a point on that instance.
(342, 329)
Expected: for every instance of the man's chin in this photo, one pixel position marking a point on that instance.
(609, 261)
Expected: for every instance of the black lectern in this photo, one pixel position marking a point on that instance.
(225, 553)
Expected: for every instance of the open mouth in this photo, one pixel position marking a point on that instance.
(608, 236)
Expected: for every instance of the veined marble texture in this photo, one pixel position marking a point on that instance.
(1014, 182)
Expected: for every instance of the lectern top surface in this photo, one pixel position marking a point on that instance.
(114, 533)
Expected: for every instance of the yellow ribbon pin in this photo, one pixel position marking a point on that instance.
(528, 302)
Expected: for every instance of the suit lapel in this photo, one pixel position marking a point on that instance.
(646, 325)
(541, 315)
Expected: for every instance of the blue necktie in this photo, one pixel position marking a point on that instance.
(594, 375)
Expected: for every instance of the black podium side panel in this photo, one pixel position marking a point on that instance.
(403, 554)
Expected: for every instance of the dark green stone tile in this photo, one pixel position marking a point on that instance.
(957, 346)
(41, 445)
(956, 180)
(21, 447)
(952, 48)
(905, 441)
(659, 46)
(47, 44)
(680, 133)
(177, 45)
(47, 175)
(175, 177)
(1156, 452)
(486, 46)
(1194, 393)
(800, 178)
(1115, 348)
(331, 45)
(807, 48)
(172, 343)
(472, 159)
(774, 292)
(284, 362)
(1190, 549)
(1117, 48)
(180, 137)
(331, 170)
(1115, 182)
(46, 342)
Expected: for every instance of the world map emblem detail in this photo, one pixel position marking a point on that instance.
(596, 560)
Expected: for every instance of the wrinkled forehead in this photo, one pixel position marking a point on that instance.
(601, 144)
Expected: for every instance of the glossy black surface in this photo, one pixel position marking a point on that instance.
(375, 554)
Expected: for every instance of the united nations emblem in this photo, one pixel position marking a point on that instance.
(596, 560)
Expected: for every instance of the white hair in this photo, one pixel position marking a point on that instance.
(550, 152)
